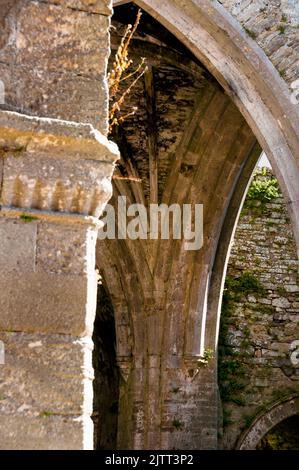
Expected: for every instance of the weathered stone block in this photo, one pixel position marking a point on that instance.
(17, 247)
(291, 288)
(91, 6)
(281, 347)
(44, 433)
(44, 302)
(281, 302)
(46, 390)
(42, 375)
(65, 249)
(44, 41)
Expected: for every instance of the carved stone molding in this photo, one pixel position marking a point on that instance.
(53, 165)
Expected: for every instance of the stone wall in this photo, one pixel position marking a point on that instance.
(274, 26)
(260, 314)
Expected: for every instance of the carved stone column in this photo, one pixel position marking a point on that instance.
(56, 180)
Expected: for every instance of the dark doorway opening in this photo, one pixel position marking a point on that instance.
(284, 436)
(106, 381)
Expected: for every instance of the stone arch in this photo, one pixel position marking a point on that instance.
(168, 290)
(265, 421)
(248, 77)
(260, 93)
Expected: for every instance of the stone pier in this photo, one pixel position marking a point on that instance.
(55, 181)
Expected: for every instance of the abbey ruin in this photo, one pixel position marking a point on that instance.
(142, 344)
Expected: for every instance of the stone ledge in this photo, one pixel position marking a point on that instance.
(57, 217)
(60, 139)
(100, 7)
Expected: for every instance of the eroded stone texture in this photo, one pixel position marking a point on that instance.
(280, 421)
(164, 287)
(47, 276)
(65, 249)
(30, 303)
(91, 6)
(53, 59)
(17, 249)
(40, 433)
(43, 391)
(54, 165)
(53, 138)
(274, 25)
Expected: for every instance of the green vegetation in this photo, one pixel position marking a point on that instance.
(281, 291)
(247, 283)
(46, 414)
(177, 424)
(283, 436)
(236, 346)
(28, 218)
(227, 418)
(231, 367)
(208, 354)
(248, 420)
(263, 190)
(251, 33)
(282, 73)
(281, 28)
(279, 394)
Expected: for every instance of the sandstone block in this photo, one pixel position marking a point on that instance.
(17, 246)
(42, 375)
(44, 433)
(65, 249)
(44, 302)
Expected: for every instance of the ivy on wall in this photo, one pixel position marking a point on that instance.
(259, 310)
(231, 370)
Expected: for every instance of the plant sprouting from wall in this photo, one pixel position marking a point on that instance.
(263, 189)
(123, 71)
